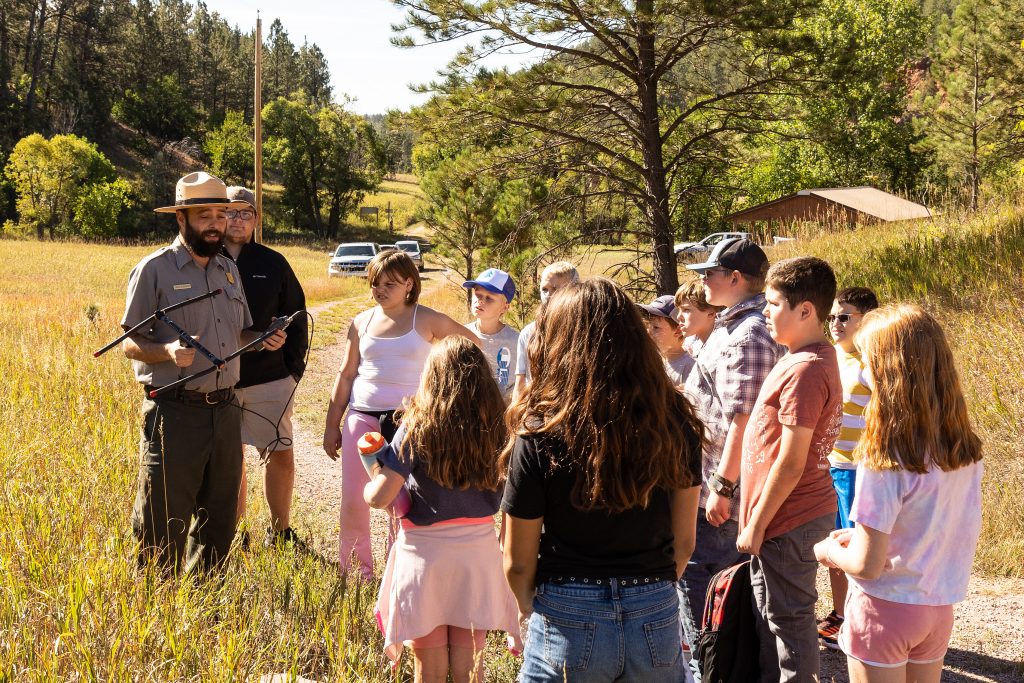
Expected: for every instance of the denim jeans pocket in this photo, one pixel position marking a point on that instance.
(664, 638)
(567, 643)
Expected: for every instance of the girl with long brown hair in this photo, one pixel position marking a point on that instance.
(443, 588)
(601, 497)
(918, 467)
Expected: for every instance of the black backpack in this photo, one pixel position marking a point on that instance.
(727, 647)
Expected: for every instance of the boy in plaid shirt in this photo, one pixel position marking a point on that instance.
(723, 387)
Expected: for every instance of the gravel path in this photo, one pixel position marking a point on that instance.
(986, 644)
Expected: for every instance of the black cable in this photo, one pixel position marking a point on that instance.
(279, 440)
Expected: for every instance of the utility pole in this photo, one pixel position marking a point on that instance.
(257, 120)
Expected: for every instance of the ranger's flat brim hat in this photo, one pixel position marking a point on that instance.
(198, 190)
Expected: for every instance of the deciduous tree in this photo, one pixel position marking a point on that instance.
(325, 158)
(50, 175)
(850, 124)
(230, 148)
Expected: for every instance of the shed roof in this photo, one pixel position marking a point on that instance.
(864, 199)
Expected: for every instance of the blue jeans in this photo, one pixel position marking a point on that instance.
(589, 633)
(715, 551)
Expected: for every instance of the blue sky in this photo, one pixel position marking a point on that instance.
(355, 37)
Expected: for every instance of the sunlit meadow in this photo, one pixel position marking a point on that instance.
(74, 607)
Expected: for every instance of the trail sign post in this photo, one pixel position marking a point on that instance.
(366, 211)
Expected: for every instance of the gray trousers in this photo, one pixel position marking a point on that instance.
(190, 468)
(783, 578)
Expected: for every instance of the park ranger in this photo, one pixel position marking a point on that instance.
(189, 469)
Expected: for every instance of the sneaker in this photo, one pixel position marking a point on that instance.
(828, 630)
(285, 537)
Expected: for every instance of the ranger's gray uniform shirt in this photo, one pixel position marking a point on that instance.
(170, 275)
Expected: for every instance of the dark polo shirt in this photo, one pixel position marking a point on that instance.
(272, 290)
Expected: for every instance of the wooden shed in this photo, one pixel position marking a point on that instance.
(840, 204)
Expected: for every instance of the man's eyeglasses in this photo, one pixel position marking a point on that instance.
(841, 317)
(244, 214)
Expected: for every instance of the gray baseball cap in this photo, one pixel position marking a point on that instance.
(241, 195)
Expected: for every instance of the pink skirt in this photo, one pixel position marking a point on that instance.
(446, 574)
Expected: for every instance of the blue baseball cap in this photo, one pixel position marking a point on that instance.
(494, 280)
(664, 306)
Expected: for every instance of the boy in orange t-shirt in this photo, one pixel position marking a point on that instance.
(787, 500)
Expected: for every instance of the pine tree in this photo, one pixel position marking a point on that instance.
(973, 107)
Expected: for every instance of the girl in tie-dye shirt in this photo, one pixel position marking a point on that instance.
(919, 466)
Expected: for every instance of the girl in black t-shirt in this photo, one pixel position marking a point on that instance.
(443, 588)
(601, 497)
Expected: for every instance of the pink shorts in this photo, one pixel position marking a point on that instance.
(891, 634)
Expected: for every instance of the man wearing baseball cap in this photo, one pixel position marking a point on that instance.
(189, 468)
(492, 292)
(660, 316)
(266, 386)
(723, 387)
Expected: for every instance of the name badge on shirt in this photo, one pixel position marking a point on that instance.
(231, 278)
(184, 286)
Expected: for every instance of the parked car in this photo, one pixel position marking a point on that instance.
(382, 247)
(412, 248)
(351, 258)
(686, 250)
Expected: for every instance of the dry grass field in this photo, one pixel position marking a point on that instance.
(72, 605)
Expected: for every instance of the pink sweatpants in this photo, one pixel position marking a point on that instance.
(354, 536)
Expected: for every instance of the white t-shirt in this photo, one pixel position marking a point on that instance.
(522, 362)
(501, 350)
(933, 521)
(678, 368)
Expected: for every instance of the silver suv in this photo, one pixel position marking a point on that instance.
(412, 248)
(685, 250)
(351, 258)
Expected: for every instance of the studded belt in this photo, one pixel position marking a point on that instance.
(621, 581)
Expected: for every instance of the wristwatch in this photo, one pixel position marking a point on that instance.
(721, 485)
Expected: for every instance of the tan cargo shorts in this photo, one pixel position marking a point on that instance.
(267, 414)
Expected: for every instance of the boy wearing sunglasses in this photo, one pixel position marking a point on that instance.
(843, 320)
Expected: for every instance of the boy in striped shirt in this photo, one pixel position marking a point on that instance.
(849, 307)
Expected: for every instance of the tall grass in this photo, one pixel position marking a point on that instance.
(72, 604)
(404, 196)
(74, 607)
(401, 192)
(969, 271)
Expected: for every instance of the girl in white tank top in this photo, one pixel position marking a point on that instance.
(389, 368)
(384, 358)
